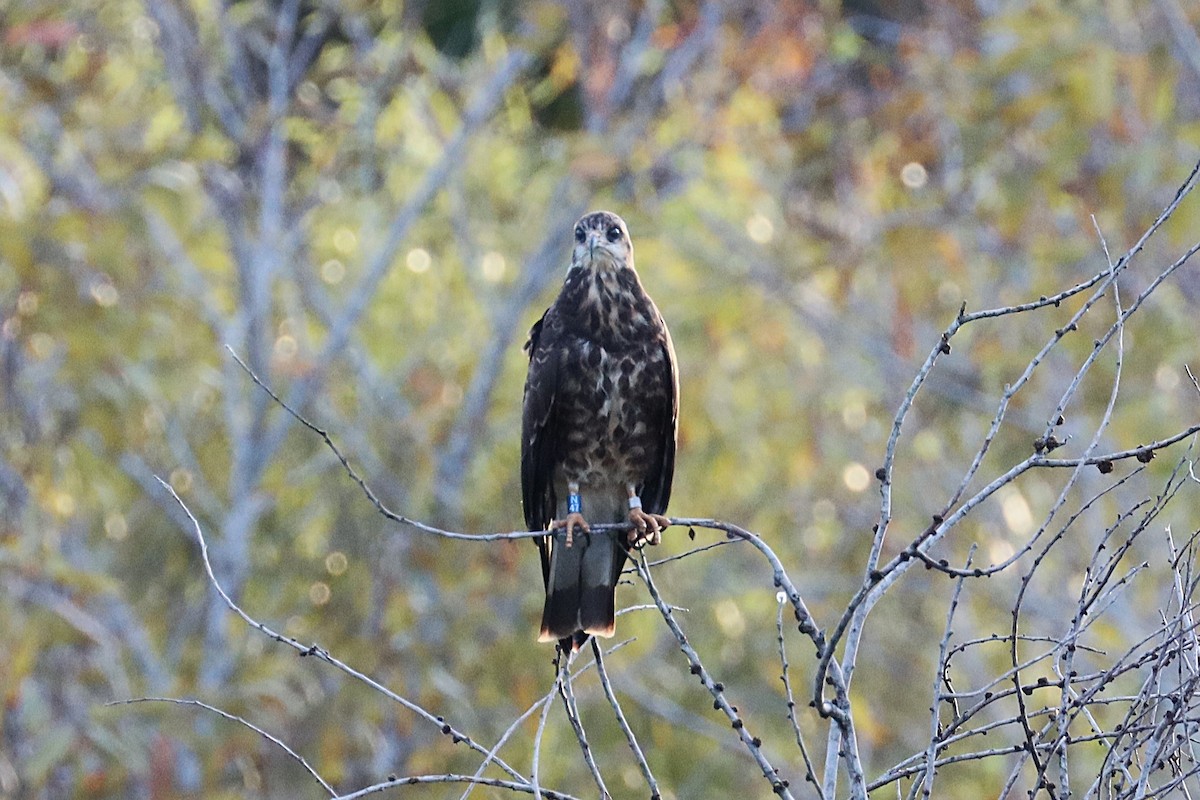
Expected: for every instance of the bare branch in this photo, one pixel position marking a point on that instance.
(620, 715)
(542, 705)
(183, 701)
(323, 655)
(941, 676)
(810, 775)
(415, 780)
(563, 682)
(716, 689)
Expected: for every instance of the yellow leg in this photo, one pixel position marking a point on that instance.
(647, 528)
(573, 521)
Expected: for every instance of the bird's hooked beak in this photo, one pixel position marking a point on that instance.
(593, 237)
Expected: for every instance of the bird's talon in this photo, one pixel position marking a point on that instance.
(647, 528)
(572, 521)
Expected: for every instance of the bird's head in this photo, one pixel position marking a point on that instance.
(602, 242)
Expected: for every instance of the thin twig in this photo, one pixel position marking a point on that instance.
(414, 780)
(535, 765)
(638, 755)
(543, 704)
(941, 675)
(563, 681)
(321, 654)
(715, 688)
(810, 774)
(184, 701)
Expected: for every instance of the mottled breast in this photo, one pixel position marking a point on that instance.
(612, 402)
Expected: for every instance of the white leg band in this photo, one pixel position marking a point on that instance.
(634, 502)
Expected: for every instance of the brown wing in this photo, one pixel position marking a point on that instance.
(540, 435)
(656, 488)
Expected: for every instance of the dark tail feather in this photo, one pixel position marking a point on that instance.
(580, 592)
(597, 596)
(560, 615)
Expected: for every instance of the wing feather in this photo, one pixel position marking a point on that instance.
(656, 491)
(539, 432)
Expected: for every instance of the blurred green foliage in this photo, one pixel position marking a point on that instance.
(813, 190)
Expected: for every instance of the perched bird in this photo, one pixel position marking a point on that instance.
(598, 429)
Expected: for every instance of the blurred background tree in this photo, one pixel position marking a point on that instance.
(371, 202)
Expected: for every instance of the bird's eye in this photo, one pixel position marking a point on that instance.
(614, 234)
(579, 234)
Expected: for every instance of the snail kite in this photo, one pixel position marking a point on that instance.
(598, 429)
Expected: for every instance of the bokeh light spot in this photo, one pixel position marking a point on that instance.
(336, 563)
(854, 414)
(418, 260)
(27, 303)
(115, 526)
(332, 271)
(729, 617)
(913, 175)
(999, 550)
(760, 229)
(345, 241)
(856, 477)
(41, 345)
(64, 504)
(824, 510)
(492, 267)
(319, 593)
(286, 347)
(1015, 509)
(1166, 377)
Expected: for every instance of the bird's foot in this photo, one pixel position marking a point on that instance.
(647, 528)
(574, 520)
